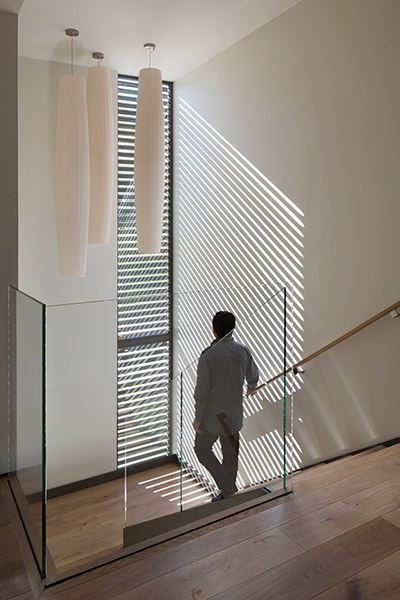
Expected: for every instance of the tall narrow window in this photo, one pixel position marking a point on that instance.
(144, 301)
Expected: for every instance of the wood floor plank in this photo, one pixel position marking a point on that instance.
(393, 517)
(27, 579)
(338, 517)
(13, 580)
(172, 559)
(4, 520)
(342, 469)
(317, 570)
(9, 550)
(358, 481)
(89, 523)
(78, 547)
(381, 581)
(219, 571)
(319, 470)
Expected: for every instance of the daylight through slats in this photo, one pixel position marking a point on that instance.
(144, 300)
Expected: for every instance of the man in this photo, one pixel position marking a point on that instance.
(221, 372)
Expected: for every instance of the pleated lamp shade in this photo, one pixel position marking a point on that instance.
(101, 152)
(149, 162)
(72, 176)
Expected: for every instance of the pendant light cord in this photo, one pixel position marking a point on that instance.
(70, 32)
(150, 48)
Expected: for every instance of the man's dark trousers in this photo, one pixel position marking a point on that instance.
(225, 473)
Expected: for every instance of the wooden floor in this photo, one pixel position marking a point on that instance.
(337, 537)
(89, 523)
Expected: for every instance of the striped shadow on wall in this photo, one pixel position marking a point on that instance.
(238, 241)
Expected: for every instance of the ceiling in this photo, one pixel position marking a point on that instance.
(187, 32)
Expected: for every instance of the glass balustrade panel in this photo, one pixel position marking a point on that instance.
(263, 419)
(156, 495)
(26, 416)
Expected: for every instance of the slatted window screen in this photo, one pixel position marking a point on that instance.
(144, 299)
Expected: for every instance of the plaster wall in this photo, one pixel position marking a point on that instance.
(286, 159)
(8, 202)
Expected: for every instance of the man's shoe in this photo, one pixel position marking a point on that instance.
(216, 498)
(222, 497)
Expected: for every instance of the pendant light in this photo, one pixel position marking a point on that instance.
(101, 150)
(149, 159)
(72, 172)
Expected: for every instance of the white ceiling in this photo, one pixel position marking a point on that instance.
(187, 32)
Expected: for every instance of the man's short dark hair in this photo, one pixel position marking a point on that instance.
(223, 323)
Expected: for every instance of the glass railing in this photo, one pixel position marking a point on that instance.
(81, 345)
(83, 499)
(26, 416)
(260, 425)
(61, 432)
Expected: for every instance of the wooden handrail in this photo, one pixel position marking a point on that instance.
(338, 340)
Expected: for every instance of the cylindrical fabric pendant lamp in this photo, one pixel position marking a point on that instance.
(101, 151)
(72, 172)
(72, 176)
(149, 161)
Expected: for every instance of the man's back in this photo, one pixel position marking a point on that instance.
(222, 369)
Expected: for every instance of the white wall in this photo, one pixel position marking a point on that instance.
(309, 104)
(349, 397)
(8, 202)
(81, 387)
(29, 384)
(81, 323)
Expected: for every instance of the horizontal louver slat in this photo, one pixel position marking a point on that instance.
(143, 303)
